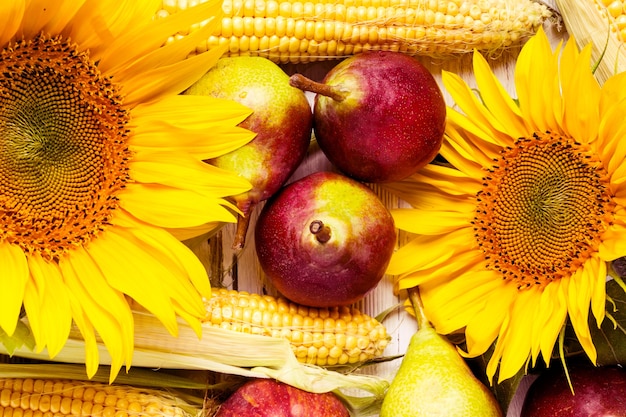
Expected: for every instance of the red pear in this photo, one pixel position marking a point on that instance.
(378, 116)
(325, 240)
(270, 398)
(597, 392)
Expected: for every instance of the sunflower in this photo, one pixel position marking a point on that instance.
(510, 238)
(101, 162)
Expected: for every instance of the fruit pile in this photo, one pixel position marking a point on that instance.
(325, 240)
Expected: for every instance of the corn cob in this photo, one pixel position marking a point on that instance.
(601, 23)
(293, 31)
(26, 397)
(319, 336)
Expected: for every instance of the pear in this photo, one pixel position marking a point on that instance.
(379, 116)
(282, 119)
(271, 398)
(434, 380)
(594, 391)
(325, 240)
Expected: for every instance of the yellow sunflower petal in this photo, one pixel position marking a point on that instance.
(423, 198)
(549, 319)
(613, 91)
(461, 151)
(133, 270)
(611, 131)
(439, 273)
(598, 289)
(33, 305)
(619, 172)
(477, 120)
(182, 171)
(11, 15)
(170, 207)
(170, 79)
(205, 127)
(187, 233)
(483, 328)
(103, 307)
(140, 48)
(47, 16)
(581, 117)
(47, 304)
(189, 112)
(460, 301)
(448, 180)
(430, 250)
(56, 317)
(418, 191)
(161, 137)
(505, 113)
(516, 336)
(181, 257)
(98, 23)
(15, 276)
(579, 311)
(430, 222)
(613, 244)
(536, 84)
(92, 354)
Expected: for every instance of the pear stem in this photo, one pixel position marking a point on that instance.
(306, 84)
(418, 306)
(243, 222)
(320, 230)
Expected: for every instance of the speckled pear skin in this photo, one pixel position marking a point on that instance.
(282, 119)
(434, 380)
(270, 398)
(391, 122)
(331, 272)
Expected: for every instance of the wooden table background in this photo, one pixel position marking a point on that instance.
(243, 272)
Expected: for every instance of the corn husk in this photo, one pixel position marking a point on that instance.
(227, 352)
(589, 22)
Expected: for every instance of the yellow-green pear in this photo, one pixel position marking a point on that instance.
(434, 380)
(282, 120)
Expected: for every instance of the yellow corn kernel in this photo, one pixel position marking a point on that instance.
(306, 31)
(40, 397)
(320, 336)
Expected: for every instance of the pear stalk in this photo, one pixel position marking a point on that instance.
(320, 230)
(306, 84)
(243, 223)
(416, 302)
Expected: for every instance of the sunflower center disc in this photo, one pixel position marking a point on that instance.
(542, 210)
(63, 150)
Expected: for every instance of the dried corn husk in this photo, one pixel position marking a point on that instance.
(593, 21)
(224, 351)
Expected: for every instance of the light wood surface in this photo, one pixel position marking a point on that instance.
(242, 270)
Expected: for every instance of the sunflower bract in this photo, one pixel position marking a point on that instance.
(295, 31)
